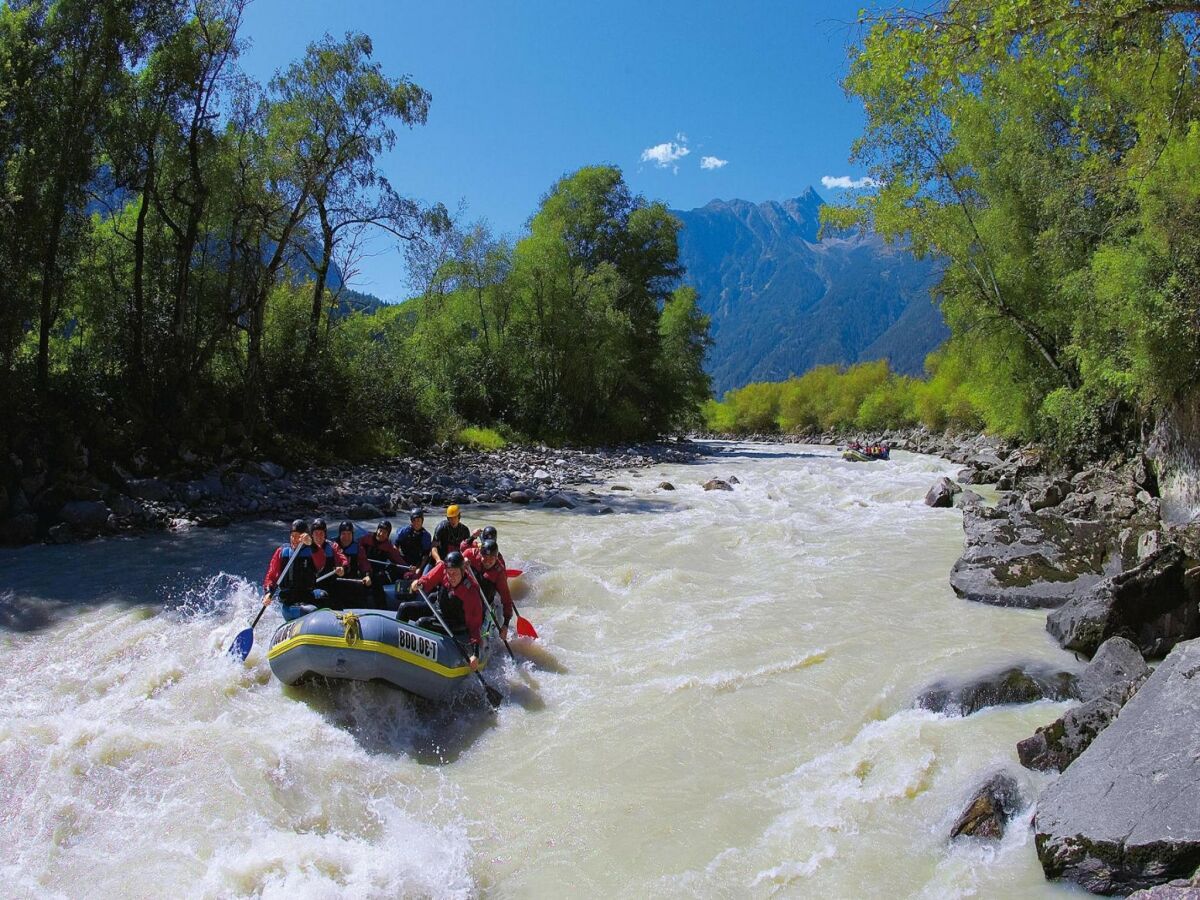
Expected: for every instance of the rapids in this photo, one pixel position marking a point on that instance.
(719, 705)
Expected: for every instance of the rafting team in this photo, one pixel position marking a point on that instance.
(455, 568)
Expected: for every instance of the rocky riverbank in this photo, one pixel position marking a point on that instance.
(1121, 586)
(63, 509)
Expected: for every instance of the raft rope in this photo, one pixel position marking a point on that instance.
(351, 628)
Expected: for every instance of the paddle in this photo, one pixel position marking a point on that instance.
(524, 626)
(245, 639)
(494, 696)
(513, 573)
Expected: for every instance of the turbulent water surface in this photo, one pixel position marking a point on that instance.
(720, 705)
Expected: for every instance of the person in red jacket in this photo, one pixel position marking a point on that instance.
(383, 556)
(458, 600)
(487, 565)
(327, 556)
(298, 592)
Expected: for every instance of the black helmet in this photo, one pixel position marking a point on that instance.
(319, 525)
(454, 560)
(385, 525)
(346, 526)
(300, 525)
(488, 533)
(490, 548)
(417, 513)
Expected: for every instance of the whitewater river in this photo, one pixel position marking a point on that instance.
(720, 705)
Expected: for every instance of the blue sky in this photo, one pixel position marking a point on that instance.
(524, 92)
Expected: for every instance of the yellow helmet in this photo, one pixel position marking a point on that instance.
(452, 510)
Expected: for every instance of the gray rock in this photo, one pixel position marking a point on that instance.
(716, 484)
(1030, 560)
(988, 812)
(621, 487)
(543, 476)
(733, 479)
(519, 497)
(666, 486)
(123, 507)
(1017, 684)
(603, 510)
(1112, 677)
(151, 489)
(558, 501)
(966, 498)
(1048, 496)
(1117, 662)
(941, 495)
(1124, 816)
(364, 511)
(1150, 543)
(59, 534)
(1179, 889)
(85, 515)
(267, 470)
(505, 485)
(1152, 604)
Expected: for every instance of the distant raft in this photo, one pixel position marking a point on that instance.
(370, 645)
(864, 454)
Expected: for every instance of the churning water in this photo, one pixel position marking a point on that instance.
(720, 705)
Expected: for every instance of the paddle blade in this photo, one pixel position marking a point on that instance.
(242, 643)
(494, 696)
(513, 573)
(525, 628)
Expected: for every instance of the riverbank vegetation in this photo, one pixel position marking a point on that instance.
(1048, 153)
(867, 396)
(175, 239)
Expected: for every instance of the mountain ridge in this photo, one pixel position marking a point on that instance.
(781, 301)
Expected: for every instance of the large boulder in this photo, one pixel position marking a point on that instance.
(1152, 604)
(1179, 889)
(715, 484)
(151, 489)
(1030, 560)
(941, 495)
(1114, 676)
(1124, 815)
(85, 515)
(1017, 684)
(989, 810)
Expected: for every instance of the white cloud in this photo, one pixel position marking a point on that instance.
(667, 154)
(845, 181)
(712, 162)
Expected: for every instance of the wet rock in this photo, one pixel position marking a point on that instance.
(1179, 889)
(965, 498)
(123, 507)
(60, 534)
(1017, 684)
(1123, 815)
(1030, 560)
(558, 501)
(519, 497)
(621, 487)
(149, 489)
(603, 510)
(364, 511)
(733, 479)
(717, 484)
(1152, 604)
(1149, 543)
(505, 485)
(85, 515)
(994, 803)
(941, 495)
(666, 486)
(268, 470)
(1113, 676)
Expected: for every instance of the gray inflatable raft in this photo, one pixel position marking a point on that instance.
(370, 645)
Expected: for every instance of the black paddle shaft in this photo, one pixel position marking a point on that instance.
(493, 695)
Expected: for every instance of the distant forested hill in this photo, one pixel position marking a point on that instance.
(781, 302)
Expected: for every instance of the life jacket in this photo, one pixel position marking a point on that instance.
(412, 545)
(451, 605)
(302, 576)
(351, 551)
